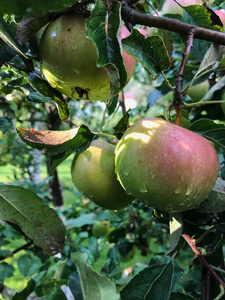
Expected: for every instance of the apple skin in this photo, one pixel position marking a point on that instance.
(69, 60)
(170, 7)
(198, 91)
(221, 14)
(166, 166)
(93, 174)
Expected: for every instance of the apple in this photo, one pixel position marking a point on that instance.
(101, 228)
(171, 7)
(198, 91)
(166, 166)
(93, 173)
(221, 15)
(69, 59)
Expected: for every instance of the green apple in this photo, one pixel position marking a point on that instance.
(93, 173)
(166, 166)
(69, 59)
(101, 228)
(171, 7)
(198, 91)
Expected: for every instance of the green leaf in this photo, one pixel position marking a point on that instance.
(75, 286)
(210, 60)
(7, 34)
(150, 52)
(203, 125)
(38, 221)
(57, 159)
(6, 53)
(6, 270)
(210, 130)
(28, 265)
(33, 7)
(122, 125)
(57, 294)
(29, 26)
(109, 49)
(94, 285)
(200, 16)
(215, 203)
(153, 282)
(86, 219)
(43, 87)
(176, 229)
(26, 291)
(55, 142)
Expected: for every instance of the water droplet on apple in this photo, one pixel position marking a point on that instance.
(153, 176)
(126, 172)
(74, 47)
(104, 89)
(143, 188)
(189, 190)
(177, 190)
(169, 207)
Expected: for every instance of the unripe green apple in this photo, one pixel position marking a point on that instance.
(198, 91)
(166, 166)
(171, 7)
(101, 228)
(93, 173)
(69, 59)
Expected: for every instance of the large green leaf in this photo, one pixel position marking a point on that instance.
(201, 16)
(153, 282)
(109, 49)
(39, 222)
(43, 87)
(7, 34)
(150, 52)
(94, 285)
(210, 60)
(215, 203)
(55, 142)
(210, 130)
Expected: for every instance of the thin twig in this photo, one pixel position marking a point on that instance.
(178, 95)
(23, 247)
(191, 243)
(122, 102)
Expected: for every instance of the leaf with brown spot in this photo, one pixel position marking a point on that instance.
(38, 222)
(58, 141)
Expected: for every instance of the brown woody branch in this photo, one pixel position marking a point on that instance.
(130, 15)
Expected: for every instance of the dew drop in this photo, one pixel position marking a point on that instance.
(74, 47)
(143, 188)
(126, 172)
(177, 190)
(104, 89)
(169, 207)
(189, 190)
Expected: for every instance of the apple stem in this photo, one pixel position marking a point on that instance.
(191, 243)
